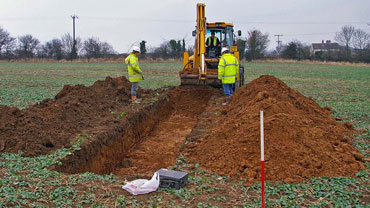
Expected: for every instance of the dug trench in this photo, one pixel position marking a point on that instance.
(148, 140)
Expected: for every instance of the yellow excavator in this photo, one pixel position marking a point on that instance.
(202, 67)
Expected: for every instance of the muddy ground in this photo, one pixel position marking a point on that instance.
(302, 139)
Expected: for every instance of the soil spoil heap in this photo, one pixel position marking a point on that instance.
(53, 123)
(302, 140)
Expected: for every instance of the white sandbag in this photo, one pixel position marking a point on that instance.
(142, 186)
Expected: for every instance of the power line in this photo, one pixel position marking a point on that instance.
(307, 34)
(32, 18)
(177, 20)
(137, 19)
(300, 23)
(93, 18)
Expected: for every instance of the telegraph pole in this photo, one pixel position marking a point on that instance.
(74, 51)
(279, 42)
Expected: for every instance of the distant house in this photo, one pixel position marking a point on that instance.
(325, 47)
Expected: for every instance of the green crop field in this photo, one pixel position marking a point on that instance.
(25, 83)
(346, 89)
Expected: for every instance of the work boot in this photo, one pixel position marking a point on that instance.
(227, 101)
(134, 100)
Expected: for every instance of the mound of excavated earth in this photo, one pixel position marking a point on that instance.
(302, 140)
(53, 123)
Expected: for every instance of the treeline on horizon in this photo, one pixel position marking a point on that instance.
(354, 47)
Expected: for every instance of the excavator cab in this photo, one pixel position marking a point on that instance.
(224, 33)
(202, 67)
(213, 46)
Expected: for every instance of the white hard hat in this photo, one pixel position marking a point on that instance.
(135, 49)
(224, 49)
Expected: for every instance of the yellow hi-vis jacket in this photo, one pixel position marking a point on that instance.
(134, 71)
(209, 40)
(228, 68)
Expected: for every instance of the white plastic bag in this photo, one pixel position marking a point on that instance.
(142, 186)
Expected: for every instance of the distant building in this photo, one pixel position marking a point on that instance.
(325, 47)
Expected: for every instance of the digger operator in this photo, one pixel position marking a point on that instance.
(135, 75)
(228, 67)
(213, 42)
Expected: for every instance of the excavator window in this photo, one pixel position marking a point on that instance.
(228, 39)
(211, 50)
(225, 36)
(217, 34)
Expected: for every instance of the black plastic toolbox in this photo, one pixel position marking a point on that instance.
(172, 179)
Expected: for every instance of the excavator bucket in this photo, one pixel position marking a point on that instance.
(193, 79)
(189, 79)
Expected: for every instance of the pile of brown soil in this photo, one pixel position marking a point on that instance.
(53, 123)
(302, 140)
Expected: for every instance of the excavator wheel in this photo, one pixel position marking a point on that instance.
(241, 76)
(239, 83)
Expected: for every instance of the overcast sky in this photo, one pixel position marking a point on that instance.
(122, 23)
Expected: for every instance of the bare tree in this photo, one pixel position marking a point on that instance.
(94, 48)
(52, 49)
(360, 39)
(344, 37)
(9, 50)
(67, 45)
(257, 43)
(107, 49)
(163, 51)
(6, 42)
(27, 46)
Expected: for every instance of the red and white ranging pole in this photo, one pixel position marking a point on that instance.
(262, 163)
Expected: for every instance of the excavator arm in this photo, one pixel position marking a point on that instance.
(199, 50)
(195, 67)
